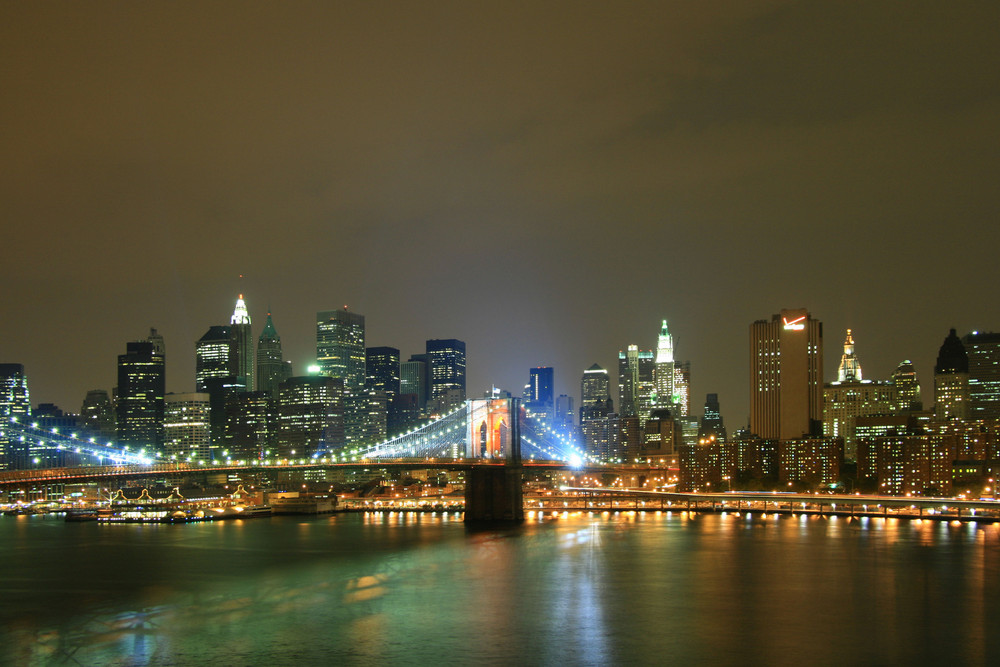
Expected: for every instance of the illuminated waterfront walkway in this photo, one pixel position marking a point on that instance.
(768, 502)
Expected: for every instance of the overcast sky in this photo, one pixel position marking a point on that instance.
(545, 181)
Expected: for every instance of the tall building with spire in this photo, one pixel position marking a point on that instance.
(951, 380)
(272, 369)
(850, 369)
(850, 398)
(241, 361)
(664, 369)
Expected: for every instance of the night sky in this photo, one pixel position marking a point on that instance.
(545, 181)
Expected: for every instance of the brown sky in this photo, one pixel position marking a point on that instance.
(543, 180)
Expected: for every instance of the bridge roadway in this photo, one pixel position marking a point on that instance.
(15, 478)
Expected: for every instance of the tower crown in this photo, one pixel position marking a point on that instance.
(664, 345)
(269, 332)
(952, 357)
(240, 315)
(850, 368)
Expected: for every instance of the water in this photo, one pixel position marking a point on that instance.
(578, 589)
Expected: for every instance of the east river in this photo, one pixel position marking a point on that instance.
(577, 588)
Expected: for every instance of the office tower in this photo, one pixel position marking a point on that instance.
(310, 417)
(222, 392)
(386, 415)
(951, 380)
(382, 370)
(340, 353)
(272, 369)
(850, 397)
(664, 372)
(628, 381)
(212, 355)
(15, 403)
(711, 420)
(413, 379)
(682, 388)
(186, 427)
(636, 383)
(241, 360)
(375, 407)
(661, 438)
(904, 378)
(15, 400)
(250, 419)
(595, 393)
(141, 384)
(340, 346)
(983, 350)
(786, 375)
(446, 374)
(540, 398)
(97, 415)
(595, 406)
(565, 416)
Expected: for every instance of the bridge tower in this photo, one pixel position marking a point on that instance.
(493, 492)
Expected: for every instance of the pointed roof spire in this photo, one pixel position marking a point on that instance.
(850, 367)
(240, 314)
(664, 345)
(269, 332)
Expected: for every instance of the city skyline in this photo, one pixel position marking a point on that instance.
(565, 382)
(546, 183)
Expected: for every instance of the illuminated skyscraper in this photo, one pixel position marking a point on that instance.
(786, 376)
(340, 346)
(541, 395)
(141, 387)
(664, 373)
(446, 373)
(310, 416)
(340, 353)
(186, 427)
(628, 381)
(97, 415)
(711, 421)
(904, 378)
(14, 398)
(682, 388)
(241, 360)
(983, 350)
(382, 370)
(636, 384)
(413, 380)
(951, 380)
(850, 368)
(272, 369)
(850, 398)
(14, 402)
(212, 354)
(595, 394)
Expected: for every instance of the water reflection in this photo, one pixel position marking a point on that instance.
(567, 587)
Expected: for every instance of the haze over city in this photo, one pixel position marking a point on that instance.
(545, 182)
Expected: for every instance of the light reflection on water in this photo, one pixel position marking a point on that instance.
(565, 588)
